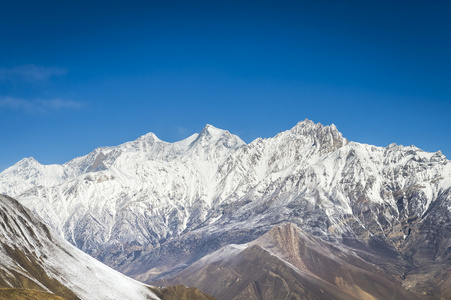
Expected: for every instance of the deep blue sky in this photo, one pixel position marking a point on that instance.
(76, 75)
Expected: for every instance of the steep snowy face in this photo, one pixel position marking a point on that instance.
(147, 194)
(140, 192)
(32, 256)
(265, 161)
(381, 188)
(376, 190)
(211, 147)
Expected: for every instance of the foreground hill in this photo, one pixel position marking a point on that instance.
(37, 264)
(287, 263)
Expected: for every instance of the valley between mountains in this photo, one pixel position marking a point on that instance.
(306, 214)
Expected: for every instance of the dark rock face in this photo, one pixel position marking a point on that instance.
(427, 246)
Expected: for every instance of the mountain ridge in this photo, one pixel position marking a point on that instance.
(129, 204)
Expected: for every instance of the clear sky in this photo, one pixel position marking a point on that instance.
(76, 75)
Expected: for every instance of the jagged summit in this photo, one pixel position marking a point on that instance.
(307, 123)
(30, 159)
(308, 127)
(325, 138)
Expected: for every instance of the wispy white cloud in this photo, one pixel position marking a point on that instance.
(31, 73)
(57, 104)
(15, 103)
(38, 106)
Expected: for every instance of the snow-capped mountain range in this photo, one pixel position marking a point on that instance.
(121, 203)
(125, 194)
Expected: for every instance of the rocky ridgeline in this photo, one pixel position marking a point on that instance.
(132, 204)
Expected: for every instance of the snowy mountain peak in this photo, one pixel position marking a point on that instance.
(149, 137)
(307, 134)
(306, 122)
(143, 143)
(211, 135)
(392, 145)
(28, 161)
(210, 130)
(309, 128)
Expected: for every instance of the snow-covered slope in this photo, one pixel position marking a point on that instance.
(139, 192)
(32, 256)
(132, 204)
